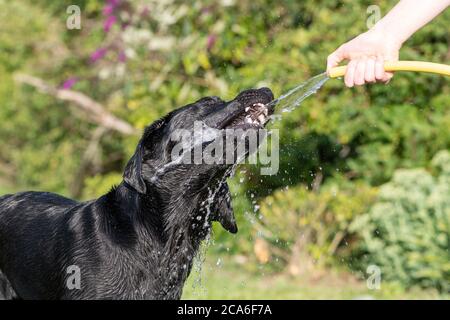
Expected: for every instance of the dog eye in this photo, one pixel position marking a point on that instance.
(211, 100)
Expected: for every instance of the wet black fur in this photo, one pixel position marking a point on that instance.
(136, 242)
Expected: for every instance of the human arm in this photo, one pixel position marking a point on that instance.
(367, 52)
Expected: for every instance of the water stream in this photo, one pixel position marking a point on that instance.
(293, 98)
(285, 103)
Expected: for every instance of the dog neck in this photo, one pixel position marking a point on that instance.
(163, 231)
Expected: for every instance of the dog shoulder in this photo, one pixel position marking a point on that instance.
(30, 203)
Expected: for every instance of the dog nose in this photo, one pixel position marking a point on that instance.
(267, 92)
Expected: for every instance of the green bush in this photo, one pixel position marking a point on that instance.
(407, 231)
(298, 222)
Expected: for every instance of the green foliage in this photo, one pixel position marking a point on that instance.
(176, 53)
(100, 184)
(160, 55)
(315, 222)
(407, 231)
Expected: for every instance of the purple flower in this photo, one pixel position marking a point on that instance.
(145, 12)
(212, 38)
(114, 3)
(109, 7)
(122, 57)
(125, 25)
(68, 84)
(109, 23)
(205, 10)
(108, 10)
(98, 54)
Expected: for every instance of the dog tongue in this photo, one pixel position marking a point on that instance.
(223, 211)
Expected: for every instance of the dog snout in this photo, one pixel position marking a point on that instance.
(262, 95)
(267, 92)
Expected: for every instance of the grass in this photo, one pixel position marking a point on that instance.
(232, 281)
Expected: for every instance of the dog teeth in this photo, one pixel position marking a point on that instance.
(261, 119)
(257, 114)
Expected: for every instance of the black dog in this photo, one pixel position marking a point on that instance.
(138, 241)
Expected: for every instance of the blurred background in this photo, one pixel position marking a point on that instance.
(360, 207)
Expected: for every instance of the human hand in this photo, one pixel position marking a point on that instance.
(366, 55)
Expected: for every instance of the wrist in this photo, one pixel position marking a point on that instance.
(389, 35)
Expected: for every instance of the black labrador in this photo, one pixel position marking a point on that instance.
(139, 240)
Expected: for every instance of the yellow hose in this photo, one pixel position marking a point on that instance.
(417, 66)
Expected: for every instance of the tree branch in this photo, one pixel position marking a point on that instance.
(95, 111)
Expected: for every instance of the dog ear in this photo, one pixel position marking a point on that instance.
(223, 210)
(133, 170)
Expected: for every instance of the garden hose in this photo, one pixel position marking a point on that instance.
(417, 66)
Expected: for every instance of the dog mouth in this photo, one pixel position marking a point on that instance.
(254, 111)
(255, 115)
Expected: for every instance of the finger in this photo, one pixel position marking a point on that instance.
(331, 61)
(350, 73)
(379, 69)
(369, 74)
(387, 77)
(334, 59)
(359, 72)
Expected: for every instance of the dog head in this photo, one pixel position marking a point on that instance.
(154, 164)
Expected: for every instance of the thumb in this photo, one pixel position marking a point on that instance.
(334, 59)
